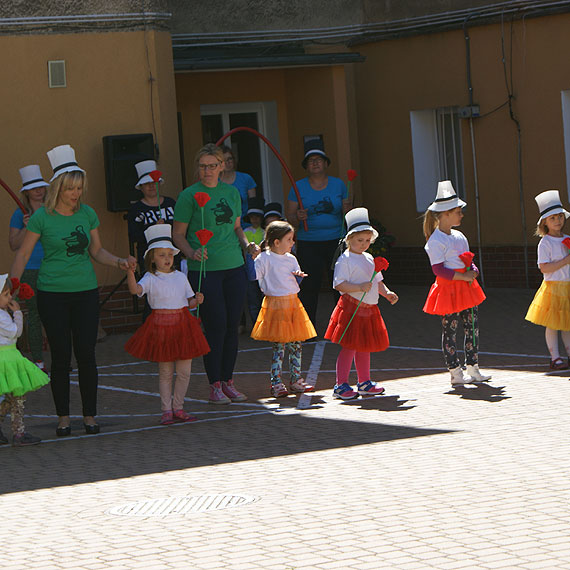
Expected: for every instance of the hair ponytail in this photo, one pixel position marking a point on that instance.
(431, 221)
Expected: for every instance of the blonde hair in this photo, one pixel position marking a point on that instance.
(62, 182)
(542, 228)
(431, 222)
(209, 149)
(352, 234)
(274, 231)
(26, 198)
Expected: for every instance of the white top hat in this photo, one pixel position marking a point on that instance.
(357, 221)
(549, 203)
(159, 235)
(3, 279)
(144, 169)
(62, 159)
(446, 198)
(31, 177)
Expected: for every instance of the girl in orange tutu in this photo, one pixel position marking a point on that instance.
(282, 319)
(456, 294)
(551, 304)
(170, 336)
(354, 274)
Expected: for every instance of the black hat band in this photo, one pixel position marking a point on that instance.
(34, 181)
(65, 166)
(358, 224)
(446, 199)
(550, 208)
(156, 239)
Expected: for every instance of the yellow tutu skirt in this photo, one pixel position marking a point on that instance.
(551, 306)
(283, 319)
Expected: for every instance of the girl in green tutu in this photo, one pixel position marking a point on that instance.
(18, 375)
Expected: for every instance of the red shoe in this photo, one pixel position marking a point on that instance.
(167, 418)
(181, 416)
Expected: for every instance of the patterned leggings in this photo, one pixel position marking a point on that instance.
(13, 405)
(295, 351)
(449, 324)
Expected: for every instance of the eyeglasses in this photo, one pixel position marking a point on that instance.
(230, 159)
(209, 166)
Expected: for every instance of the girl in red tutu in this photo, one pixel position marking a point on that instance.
(354, 274)
(456, 294)
(170, 336)
(282, 319)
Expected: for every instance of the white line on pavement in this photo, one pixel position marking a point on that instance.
(312, 374)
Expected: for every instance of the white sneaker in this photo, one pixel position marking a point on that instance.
(475, 373)
(457, 377)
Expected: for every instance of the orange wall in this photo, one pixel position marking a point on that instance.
(429, 71)
(107, 93)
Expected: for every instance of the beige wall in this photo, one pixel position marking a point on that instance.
(429, 71)
(108, 93)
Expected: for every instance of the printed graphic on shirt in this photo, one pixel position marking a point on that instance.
(324, 206)
(77, 242)
(223, 212)
(150, 217)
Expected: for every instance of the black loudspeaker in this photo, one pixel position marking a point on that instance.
(121, 153)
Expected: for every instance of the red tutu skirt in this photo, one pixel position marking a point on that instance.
(446, 297)
(367, 331)
(168, 335)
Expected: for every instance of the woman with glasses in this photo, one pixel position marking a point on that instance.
(325, 201)
(244, 183)
(224, 282)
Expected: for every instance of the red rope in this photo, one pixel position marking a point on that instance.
(15, 198)
(276, 153)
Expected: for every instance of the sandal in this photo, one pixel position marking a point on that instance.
(300, 387)
(558, 364)
(278, 390)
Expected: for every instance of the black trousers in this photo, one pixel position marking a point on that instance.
(71, 321)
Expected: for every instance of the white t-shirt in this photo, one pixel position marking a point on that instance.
(274, 273)
(357, 268)
(166, 290)
(10, 329)
(446, 249)
(552, 249)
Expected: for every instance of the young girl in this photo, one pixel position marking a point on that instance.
(367, 332)
(282, 318)
(456, 293)
(18, 375)
(170, 336)
(551, 304)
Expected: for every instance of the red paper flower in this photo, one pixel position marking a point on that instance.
(204, 235)
(380, 264)
(25, 291)
(467, 258)
(566, 242)
(202, 198)
(351, 175)
(15, 283)
(155, 175)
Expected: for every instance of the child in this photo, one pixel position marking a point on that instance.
(353, 277)
(253, 233)
(551, 304)
(456, 293)
(170, 336)
(18, 375)
(282, 318)
(272, 212)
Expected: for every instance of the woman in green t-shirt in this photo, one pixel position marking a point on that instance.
(68, 298)
(224, 284)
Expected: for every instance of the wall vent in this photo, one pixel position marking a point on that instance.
(56, 73)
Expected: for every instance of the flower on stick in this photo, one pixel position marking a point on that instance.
(204, 237)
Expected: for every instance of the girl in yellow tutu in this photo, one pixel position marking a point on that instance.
(282, 319)
(551, 304)
(455, 295)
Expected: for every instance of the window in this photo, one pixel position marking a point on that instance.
(437, 153)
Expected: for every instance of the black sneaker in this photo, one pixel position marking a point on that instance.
(25, 439)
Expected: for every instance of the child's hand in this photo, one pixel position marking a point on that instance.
(299, 273)
(253, 249)
(392, 297)
(13, 305)
(469, 275)
(365, 287)
(199, 298)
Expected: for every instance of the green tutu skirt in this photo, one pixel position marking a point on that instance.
(18, 375)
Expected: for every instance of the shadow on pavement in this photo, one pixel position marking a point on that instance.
(484, 392)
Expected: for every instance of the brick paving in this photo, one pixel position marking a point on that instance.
(425, 477)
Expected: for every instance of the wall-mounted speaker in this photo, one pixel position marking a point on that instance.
(121, 153)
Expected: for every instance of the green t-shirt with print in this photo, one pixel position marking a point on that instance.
(220, 213)
(66, 266)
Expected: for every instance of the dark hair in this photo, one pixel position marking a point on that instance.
(275, 230)
(227, 150)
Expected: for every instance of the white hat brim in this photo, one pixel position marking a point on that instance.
(447, 205)
(364, 228)
(166, 244)
(560, 210)
(38, 184)
(145, 180)
(66, 169)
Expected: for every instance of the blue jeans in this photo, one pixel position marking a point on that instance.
(224, 296)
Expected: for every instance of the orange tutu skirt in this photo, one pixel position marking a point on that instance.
(367, 331)
(168, 335)
(446, 297)
(283, 319)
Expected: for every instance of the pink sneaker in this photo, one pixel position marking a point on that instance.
(369, 388)
(167, 418)
(217, 396)
(230, 391)
(181, 416)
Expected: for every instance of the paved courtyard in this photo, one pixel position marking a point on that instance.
(424, 477)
